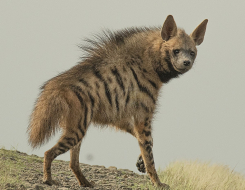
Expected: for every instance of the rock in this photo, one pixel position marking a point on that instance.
(7, 185)
(112, 168)
(22, 187)
(38, 187)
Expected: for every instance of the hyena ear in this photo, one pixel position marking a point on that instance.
(169, 28)
(198, 34)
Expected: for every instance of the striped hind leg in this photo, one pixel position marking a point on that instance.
(74, 165)
(65, 143)
(71, 138)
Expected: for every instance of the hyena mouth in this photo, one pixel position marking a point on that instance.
(179, 69)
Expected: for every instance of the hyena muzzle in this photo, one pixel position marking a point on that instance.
(116, 84)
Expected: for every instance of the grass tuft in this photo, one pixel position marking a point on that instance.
(10, 167)
(189, 175)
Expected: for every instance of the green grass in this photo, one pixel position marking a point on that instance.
(200, 176)
(12, 163)
(10, 167)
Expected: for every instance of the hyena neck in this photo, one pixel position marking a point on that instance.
(159, 56)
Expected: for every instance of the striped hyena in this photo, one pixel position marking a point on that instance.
(116, 84)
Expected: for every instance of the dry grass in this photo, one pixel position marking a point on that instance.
(200, 176)
(9, 168)
(12, 165)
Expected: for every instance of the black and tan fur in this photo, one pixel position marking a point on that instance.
(116, 84)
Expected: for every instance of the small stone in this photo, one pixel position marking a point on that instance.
(38, 187)
(112, 168)
(66, 179)
(8, 185)
(22, 187)
(12, 158)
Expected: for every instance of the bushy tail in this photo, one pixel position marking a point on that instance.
(50, 109)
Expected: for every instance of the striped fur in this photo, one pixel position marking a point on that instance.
(116, 84)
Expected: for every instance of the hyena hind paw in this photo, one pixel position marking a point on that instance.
(51, 182)
(88, 184)
(140, 164)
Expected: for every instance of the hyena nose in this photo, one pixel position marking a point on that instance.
(187, 63)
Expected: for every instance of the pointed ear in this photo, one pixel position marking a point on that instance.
(198, 34)
(169, 28)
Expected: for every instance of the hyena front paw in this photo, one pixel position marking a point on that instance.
(140, 164)
(163, 186)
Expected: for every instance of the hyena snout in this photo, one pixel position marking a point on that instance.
(183, 65)
(186, 63)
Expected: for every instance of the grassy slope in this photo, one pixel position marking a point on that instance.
(179, 175)
(12, 165)
(195, 175)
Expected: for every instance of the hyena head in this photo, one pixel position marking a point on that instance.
(181, 47)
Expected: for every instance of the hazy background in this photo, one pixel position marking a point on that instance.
(200, 116)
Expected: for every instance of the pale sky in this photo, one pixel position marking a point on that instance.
(201, 115)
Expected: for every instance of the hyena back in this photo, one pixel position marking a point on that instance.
(117, 84)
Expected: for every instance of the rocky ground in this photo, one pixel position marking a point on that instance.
(30, 175)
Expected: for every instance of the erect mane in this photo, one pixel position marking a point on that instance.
(98, 46)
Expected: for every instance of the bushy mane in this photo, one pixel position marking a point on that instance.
(107, 39)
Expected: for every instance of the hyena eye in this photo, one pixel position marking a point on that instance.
(192, 53)
(176, 51)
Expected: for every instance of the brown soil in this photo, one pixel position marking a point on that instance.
(30, 175)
